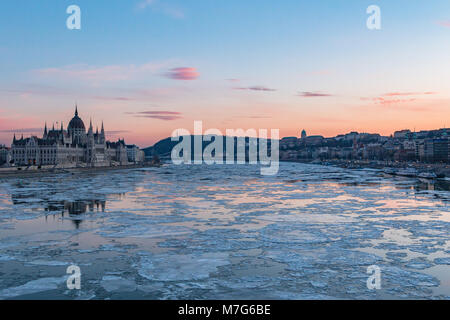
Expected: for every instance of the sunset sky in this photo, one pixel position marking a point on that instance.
(148, 67)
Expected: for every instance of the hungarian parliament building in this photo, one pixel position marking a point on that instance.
(73, 147)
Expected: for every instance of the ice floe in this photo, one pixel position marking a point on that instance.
(225, 232)
(32, 287)
(166, 267)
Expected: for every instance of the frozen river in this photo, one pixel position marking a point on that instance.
(225, 232)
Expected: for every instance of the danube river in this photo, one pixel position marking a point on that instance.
(225, 232)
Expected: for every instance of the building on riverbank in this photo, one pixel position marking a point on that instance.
(5, 155)
(135, 155)
(432, 146)
(73, 146)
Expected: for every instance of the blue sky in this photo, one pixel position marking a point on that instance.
(117, 67)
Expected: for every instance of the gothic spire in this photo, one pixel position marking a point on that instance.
(90, 131)
(76, 110)
(45, 129)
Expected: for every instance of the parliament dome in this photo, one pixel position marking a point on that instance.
(76, 122)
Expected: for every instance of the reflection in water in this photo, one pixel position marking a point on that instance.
(72, 208)
(79, 207)
(417, 185)
(438, 185)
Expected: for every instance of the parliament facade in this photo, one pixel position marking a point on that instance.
(71, 147)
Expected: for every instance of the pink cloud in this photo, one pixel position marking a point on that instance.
(384, 101)
(411, 105)
(391, 98)
(183, 73)
(117, 132)
(314, 94)
(160, 115)
(255, 88)
(22, 130)
(115, 98)
(393, 94)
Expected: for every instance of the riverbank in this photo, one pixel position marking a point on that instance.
(441, 170)
(23, 172)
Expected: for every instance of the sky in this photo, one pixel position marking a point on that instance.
(149, 67)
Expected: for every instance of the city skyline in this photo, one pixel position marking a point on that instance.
(56, 125)
(150, 67)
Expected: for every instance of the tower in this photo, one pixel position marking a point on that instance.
(102, 134)
(90, 150)
(76, 129)
(303, 134)
(90, 133)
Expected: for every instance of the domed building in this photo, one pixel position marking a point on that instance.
(71, 147)
(303, 134)
(76, 128)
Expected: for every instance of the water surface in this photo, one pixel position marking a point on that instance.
(225, 232)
